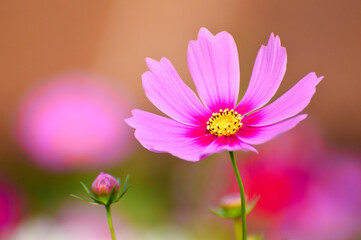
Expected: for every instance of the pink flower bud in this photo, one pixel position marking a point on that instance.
(103, 185)
(231, 201)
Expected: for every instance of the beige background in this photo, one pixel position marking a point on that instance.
(40, 39)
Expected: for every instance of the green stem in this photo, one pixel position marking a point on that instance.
(243, 198)
(238, 228)
(109, 215)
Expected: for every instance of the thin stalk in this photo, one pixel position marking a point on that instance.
(243, 198)
(237, 228)
(109, 215)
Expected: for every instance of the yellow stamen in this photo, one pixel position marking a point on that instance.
(225, 123)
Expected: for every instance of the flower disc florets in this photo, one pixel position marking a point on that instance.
(225, 123)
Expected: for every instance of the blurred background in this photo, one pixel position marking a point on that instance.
(71, 72)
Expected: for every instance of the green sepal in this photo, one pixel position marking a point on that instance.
(99, 200)
(252, 204)
(234, 212)
(109, 199)
(86, 200)
(126, 187)
(105, 200)
(86, 189)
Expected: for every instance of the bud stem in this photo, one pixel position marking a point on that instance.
(243, 198)
(109, 215)
(238, 228)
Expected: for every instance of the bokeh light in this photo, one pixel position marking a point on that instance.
(11, 210)
(73, 121)
(303, 195)
(69, 127)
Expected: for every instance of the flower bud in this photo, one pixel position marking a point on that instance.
(104, 184)
(231, 201)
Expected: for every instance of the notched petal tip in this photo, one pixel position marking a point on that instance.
(314, 77)
(145, 75)
(150, 62)
(301, 117)
(253, 149)
(275, 41)
(224, 34)
(164, 60)
(204, 32)
(319, 79)
(131, 120)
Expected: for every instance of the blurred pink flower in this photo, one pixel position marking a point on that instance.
(196, 130)
(88, 223)
(231, 200)
(310, 192)
(73, 222)
(279, 185)
(10, 209)
(73, 121)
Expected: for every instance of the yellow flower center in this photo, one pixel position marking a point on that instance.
(225, 123)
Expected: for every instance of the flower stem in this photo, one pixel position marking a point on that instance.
(109, 215)
(243, 198)
(237, 228)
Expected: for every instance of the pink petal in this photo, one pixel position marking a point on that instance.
(232, 143)
(160, 134)
(288, 105)
(166, 90)
(268, 72)
(214, 66)
(258, 135)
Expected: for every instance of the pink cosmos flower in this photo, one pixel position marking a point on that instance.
(217, 123)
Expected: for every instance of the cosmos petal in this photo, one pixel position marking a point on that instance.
(268, 72)
(160, 134)
(288, 105)
(214, 66)
(231, 143)
(166, 90)
(258, 135)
